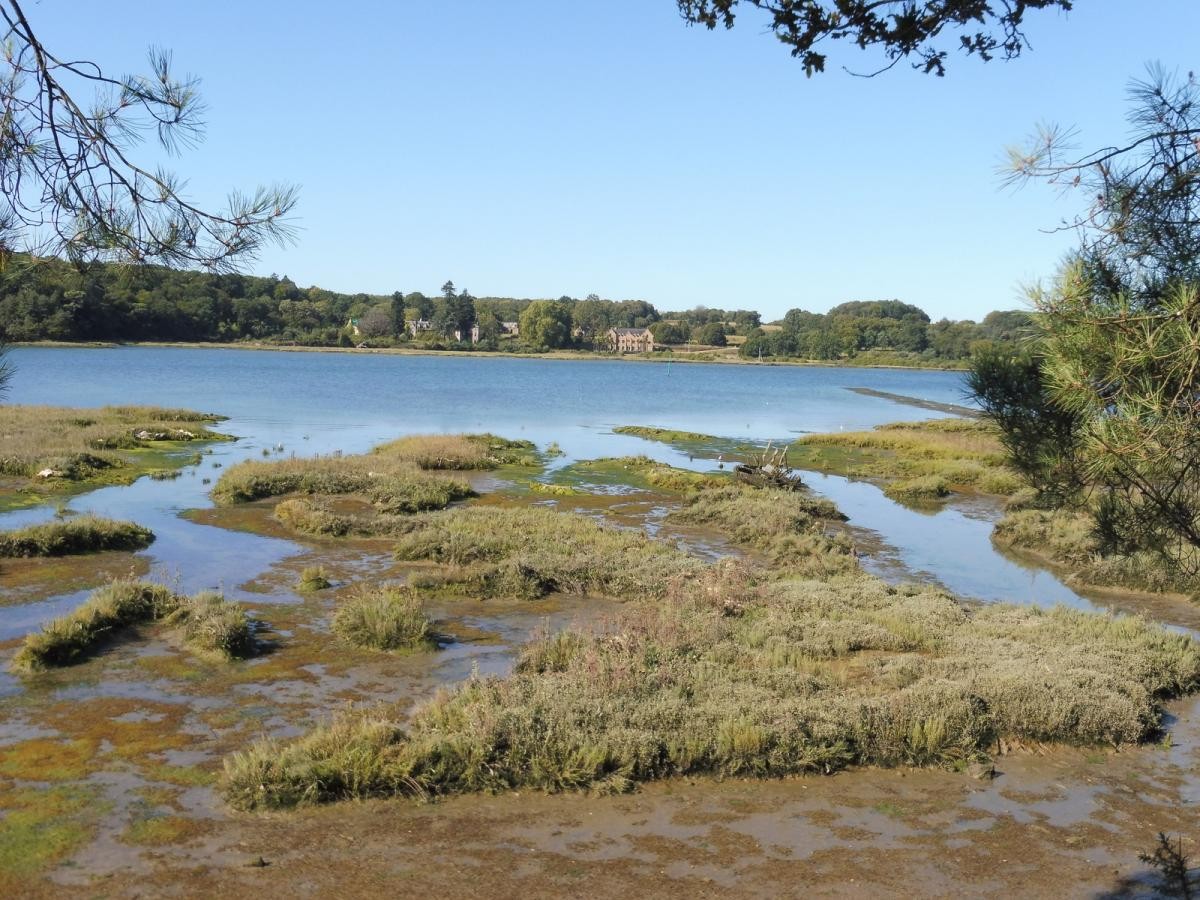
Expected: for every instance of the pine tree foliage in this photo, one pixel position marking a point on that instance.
(75, 176)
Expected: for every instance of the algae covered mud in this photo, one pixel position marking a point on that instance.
(333, 610)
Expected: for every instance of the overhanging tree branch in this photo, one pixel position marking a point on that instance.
(69, 183)
(901, 29)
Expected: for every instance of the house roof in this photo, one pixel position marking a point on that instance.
(633, 331)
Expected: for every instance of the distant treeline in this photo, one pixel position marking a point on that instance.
(852, 329)
(51, 300)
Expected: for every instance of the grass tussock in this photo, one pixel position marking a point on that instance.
(530, 552)
(79, 444)
(731, 676)
(923, 488)
(1068, 538)
(961, 454)
(788, 525)
(314, 578)
(210, 624)
(214, 626)
(81, 534)
(460, 451)
(394, 486)
(385, 618)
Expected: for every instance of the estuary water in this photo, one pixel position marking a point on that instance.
(307, 403)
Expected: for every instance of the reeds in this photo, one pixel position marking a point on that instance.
(955, 453)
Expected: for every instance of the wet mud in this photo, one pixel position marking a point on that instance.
(109, 769)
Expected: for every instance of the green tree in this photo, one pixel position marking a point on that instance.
(422, 304)
(668, 333)
(1042, 438)
(397, 313)
(489, 329)
(712, 334)
(546, 324)
(1119, 327)
(592, 316)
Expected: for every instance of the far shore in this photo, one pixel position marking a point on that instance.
(659, 357)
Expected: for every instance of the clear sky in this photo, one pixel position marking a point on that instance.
(535, 148)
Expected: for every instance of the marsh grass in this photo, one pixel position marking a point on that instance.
(82, 444)
(314, 516)
(791, 526)
(923, 488)
(210, 623)
(385, 618)
(393, 487)
(82, 534)
(960, 453)
(638, 472)
(730, 675)
(666, 435)
(460, 451)
(530, 552)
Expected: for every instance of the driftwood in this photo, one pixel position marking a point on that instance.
(769, 469)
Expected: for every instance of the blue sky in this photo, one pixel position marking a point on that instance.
(546, 147)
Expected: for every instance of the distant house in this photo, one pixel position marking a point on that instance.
(630, 340)
(417, 326)
(352, 327)
(506, 329)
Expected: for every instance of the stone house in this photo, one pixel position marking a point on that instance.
(630, 340)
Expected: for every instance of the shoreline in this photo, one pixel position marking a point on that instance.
(561, 355)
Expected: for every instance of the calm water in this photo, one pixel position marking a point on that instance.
(320, 402)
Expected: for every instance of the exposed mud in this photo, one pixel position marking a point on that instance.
(119, 758)
(31, 580)
(1054, 823)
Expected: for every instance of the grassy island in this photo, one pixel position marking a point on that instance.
(51, 450)
(81, 534)
(210, 624)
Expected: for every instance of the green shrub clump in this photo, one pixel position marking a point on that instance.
(314, 578)
(215, 626)
(386, 618)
